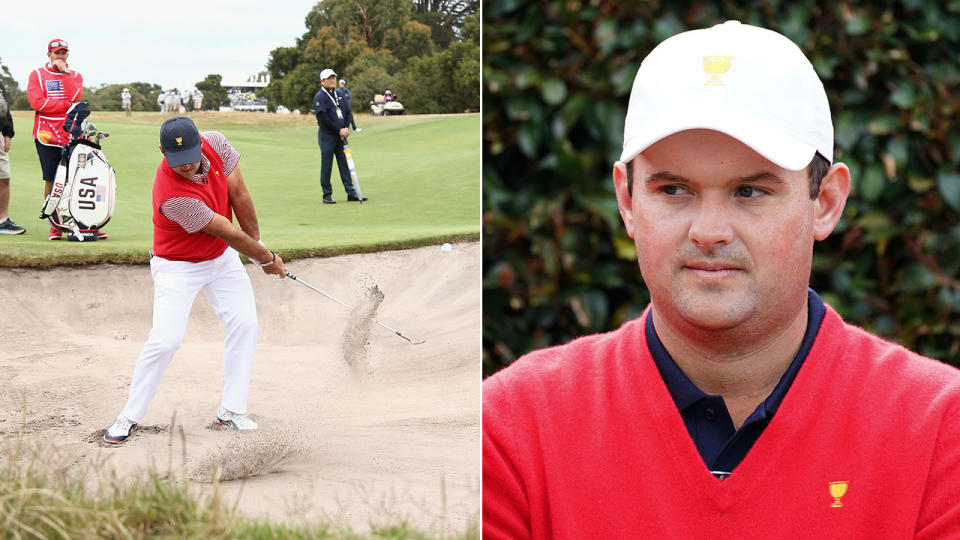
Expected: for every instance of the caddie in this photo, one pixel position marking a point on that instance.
(52, 89)
(739, 404)
(196, 193)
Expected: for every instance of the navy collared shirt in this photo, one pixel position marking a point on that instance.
(720, 445)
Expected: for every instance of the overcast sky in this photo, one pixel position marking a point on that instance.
(171, 43)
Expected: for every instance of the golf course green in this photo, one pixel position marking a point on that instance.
(421, 174)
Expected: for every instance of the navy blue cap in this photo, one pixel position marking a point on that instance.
(180, 141)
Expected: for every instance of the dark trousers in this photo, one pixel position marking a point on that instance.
(332, 145)
(49, 160)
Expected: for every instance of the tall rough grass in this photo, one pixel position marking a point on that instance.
(44, 494)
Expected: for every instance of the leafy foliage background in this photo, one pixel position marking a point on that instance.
(557, 78)
(427, 52)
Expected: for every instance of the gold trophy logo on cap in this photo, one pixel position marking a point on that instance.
(716, 66)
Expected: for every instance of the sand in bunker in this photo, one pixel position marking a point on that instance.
(358, 425)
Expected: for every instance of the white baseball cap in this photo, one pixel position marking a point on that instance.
(751, 83)
(327, 73)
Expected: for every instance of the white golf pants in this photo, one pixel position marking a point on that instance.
(175, 285)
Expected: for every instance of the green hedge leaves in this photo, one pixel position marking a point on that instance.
(557, 78)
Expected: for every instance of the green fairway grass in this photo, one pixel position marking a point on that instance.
(421, 173)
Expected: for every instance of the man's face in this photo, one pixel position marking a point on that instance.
(723, 236)
(61, 54)
(330, 82)
(187, 170)
(342, 84)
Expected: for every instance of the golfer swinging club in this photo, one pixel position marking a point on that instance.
(197, 190)
(739, 405)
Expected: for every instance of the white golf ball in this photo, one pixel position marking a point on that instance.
(446, 248)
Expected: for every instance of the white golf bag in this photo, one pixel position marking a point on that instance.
(84, 189)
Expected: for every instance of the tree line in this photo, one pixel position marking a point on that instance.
(427, 52)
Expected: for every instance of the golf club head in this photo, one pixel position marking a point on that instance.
(87, 129)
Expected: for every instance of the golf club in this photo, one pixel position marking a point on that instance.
(298, 280)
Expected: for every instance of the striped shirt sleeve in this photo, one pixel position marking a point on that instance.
(228, 154)
(189, 212)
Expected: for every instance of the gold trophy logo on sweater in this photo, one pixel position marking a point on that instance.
(837, 491)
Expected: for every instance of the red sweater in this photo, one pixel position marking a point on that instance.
(170, 241)
(51, 93)
(584, 441)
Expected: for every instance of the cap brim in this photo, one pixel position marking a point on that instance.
(768, 140)
(182, 157)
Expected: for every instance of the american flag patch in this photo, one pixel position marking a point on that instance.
(101, 192)
(55, 89)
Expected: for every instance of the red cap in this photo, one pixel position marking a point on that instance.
(56, 45)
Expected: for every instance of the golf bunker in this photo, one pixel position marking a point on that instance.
(358, 426)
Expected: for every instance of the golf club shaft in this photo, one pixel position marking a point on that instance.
(298, 280)
(295, 278)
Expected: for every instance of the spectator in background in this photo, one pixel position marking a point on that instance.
(7, 226)
(162, 101)
(344, 93)
(331, 135)
(172, 101)
(197, 99)
(52, 89)
(125, 100)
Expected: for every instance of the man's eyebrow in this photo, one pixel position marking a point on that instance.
(762, 176)
(664, 176)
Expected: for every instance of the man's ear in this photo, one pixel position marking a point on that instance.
(834, 189)
(624, 199)
(160, 147)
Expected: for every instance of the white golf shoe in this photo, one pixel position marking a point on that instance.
(239, 422)
(120, 430)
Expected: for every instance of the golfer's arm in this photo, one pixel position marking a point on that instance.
(242, 205)
(224, 229)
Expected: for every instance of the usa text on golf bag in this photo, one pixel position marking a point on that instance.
(84, 189)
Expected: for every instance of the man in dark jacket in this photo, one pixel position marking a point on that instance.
(7, 226)
(332, 133)
(344, 93)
